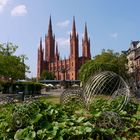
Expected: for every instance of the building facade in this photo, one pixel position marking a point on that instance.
(133, 57)
(49, 57)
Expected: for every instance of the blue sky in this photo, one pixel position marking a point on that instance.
(112, 24)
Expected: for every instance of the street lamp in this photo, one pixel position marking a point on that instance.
(63, 70)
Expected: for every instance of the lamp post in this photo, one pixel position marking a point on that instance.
(63, 70)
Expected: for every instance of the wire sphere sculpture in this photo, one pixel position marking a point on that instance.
(109, 84)
(69, 95)
(109, 119)
(17, 120)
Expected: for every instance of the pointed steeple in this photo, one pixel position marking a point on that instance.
(40, 58)
(41, 43)
(73, 27)
(50, 26)
(50, 44)
(56, 52)
(74, 47)
(56, 48)
(70, 36)
(86, 44)
(85, 34)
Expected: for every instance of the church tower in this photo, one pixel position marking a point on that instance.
(40, 59)
(50, 44)
(74, 52)
(49, 58)
(74, 48)
(86, 45)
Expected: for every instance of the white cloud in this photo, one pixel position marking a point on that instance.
(3, 3)
(63, 46)
(19, 10)
(63, 24)
(114, 35)
(63, 41)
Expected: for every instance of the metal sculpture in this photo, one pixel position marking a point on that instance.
(72, 94)
(109, 120)
(17, 120)
(109, 84)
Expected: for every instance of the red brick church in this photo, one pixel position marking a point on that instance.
(49, 59)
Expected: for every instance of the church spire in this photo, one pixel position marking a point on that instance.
(50, 27)
(86, 44)
(86, 34)
(40, 43)
(74, 27)
(56, 48)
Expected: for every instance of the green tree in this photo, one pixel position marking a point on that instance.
(106, 61)
(12, 66)
(47, 75)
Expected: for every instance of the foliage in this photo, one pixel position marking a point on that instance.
(45, 75)
(5, 86)
(11, 66)
(124, 123)
(106, 61)
(45, 121)
(30, 87)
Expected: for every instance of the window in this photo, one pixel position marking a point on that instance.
(67, 75)
(72, 64)
(59, 77)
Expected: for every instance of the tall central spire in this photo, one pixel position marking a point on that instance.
(50, 27)
(74, 27)
(50, 44)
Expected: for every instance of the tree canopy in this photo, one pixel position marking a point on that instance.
(47, 75)
(11, 66)
(106, 61)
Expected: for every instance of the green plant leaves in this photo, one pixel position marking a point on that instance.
(45, 121)
(26, 134)
(36, 118)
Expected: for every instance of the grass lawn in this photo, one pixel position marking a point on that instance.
(52, 99)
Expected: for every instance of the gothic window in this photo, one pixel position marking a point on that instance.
(60, 77)
(67, 65)
(72, 64)
(67, 76)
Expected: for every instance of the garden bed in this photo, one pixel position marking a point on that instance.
(42, 120)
